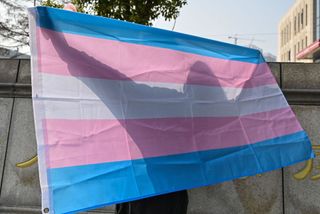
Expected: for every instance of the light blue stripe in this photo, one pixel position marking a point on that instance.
(90, 186)
(99, 27)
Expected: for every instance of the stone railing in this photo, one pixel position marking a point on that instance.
(274, 192)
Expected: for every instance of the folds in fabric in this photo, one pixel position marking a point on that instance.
(124, 111)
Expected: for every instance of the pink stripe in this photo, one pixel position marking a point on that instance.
(69, 54)
(81, 142)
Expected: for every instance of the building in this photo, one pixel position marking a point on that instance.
(299, 33)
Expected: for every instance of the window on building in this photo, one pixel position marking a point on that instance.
(289, 55)
(302, 44)
(285, 35)
(306, 41)
(301, 19)
(298, 47)
(298, 22)
(295, 25)
(289, 31)
(306, 14)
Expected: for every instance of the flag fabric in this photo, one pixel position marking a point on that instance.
(125, 111)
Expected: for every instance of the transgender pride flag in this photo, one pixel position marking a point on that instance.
(124, 111)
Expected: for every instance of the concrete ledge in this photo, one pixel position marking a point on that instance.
(293, 96)
(24, 71)
(300, 75)
(5, 118)
(20, 210)
(302, 96)
(20, 187)
(19, 90)
(8, 70)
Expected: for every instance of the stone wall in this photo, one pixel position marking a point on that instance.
(274, 192)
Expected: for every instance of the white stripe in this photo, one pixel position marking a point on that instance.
(90, 98)
(38, 115)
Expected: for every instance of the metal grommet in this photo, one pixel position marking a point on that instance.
(46, 210)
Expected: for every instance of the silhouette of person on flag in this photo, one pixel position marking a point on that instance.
(170, 203)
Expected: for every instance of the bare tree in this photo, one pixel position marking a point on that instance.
(14, 22)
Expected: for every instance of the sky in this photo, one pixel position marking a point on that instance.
(253, 21)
